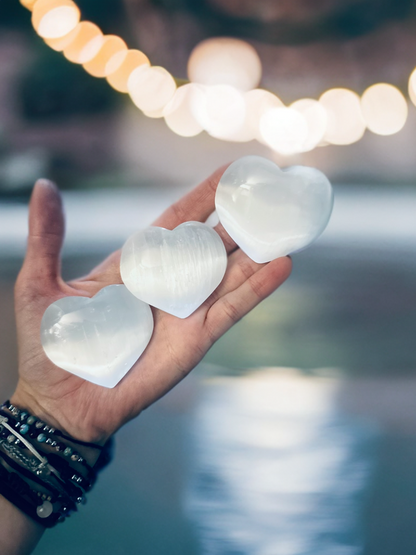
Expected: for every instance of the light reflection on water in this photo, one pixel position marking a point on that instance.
(277, 469)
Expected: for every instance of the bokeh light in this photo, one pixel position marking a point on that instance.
(225, 102)
(384, 109)
(346, 124)
(28, 4)
(155, 114)
(85, 45)
(121, 65)
(284, 130)
(317, 120)
(110, 46)
(224, 113)
(180, 112)
(151, 88)
(55, 18)
(225, 61)
(412, 87)
(61, 43)
(258, 102)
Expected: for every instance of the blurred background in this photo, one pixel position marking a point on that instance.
(297, 433)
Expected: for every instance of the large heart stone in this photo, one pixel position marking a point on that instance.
(99, 338)
(175, 271)
(271, 212)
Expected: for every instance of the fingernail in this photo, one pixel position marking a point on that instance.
(43, 182)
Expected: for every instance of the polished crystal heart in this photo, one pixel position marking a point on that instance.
(99, 338)
(175, 271)
(271, 212)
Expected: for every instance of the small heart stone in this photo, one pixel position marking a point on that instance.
(175, 271)
(271, 212)
(99, 338)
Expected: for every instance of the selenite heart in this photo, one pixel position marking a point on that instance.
(175, 271)
(271, 212)
(99, 338)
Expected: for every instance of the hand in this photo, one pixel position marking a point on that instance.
(90, 412)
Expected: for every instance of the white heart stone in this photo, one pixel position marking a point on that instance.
(271, 212)
(99, 338)
(175, 271)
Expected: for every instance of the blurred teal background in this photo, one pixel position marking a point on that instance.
(297, 433)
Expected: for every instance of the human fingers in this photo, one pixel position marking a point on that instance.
(229, 244)
(197, 205)
(231, 307)
(106, 273)
(239, 269)
(46, 234)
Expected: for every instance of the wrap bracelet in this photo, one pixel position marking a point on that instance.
(46, 486)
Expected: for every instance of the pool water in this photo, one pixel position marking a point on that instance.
(279, 470)
(296, 436)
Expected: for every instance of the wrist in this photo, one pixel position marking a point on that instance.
(23, 400)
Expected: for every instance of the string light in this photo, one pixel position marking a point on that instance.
(258, 102)
(317, 120)
(120, 66)
(151, 88)
(346, 124)
(285, 130)
(384, 109)
(412, 87)
(225, 61)
(181, 112)
(222, 97)
(61, 43)
(55, 18)
(224, 112)
(28, 4)
(110, 46)
(85, 44)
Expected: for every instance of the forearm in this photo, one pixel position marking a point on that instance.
(18, 533)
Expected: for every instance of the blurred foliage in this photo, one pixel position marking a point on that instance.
(53, 88)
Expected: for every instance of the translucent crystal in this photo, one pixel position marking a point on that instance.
(98, 338)
(175, 271)
(271, 212)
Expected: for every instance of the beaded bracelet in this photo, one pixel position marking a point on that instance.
(25, 418)
(27, 430)
(43, 485)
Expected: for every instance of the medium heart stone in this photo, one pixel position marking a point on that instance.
(271, 212)
(175, 271)
(99, 338)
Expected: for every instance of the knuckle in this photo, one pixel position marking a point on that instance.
(179, 211)
(231, 311)
(212, 333)
(257, 286)
(246, 268)
(212, 182)
(226, 239)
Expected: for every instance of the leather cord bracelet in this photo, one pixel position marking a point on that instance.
(46, 485)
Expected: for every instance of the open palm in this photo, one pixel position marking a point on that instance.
(90, 412)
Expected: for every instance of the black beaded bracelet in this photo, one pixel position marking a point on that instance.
(25, 418)
(45, 485)
(40, 436)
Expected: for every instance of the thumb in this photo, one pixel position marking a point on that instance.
(46, 232)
